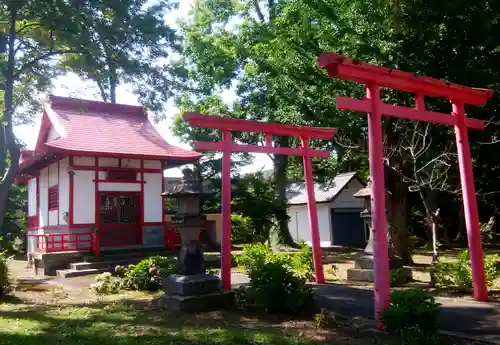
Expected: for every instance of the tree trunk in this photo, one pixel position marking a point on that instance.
(398, 216)
(282, 234)
(461, 228)
(9, 141)
(112, 90)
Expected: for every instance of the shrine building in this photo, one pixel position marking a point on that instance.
(95, 178)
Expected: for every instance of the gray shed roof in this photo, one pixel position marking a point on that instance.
(296, 193)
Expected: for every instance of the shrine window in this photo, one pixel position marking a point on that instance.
(53, 198)
(122, 175)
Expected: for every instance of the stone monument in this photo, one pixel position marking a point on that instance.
(192, 289)
(363, 266)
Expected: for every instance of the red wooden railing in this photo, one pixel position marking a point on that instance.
(63, 242)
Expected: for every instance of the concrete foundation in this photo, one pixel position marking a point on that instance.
(48, 263)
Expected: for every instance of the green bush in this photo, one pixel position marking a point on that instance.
(4, 275)
(279, 290)
(412, 315)
(107, 284)
(277, 281)
(302, 262)
(242, 229)
(458, 275)
(255, 256)
(148, 273)
(11, 245)
(398, 277)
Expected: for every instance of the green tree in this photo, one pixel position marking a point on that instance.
(128, 42)
(30, 36)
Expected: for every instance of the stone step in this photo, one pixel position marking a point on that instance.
(69, 273)
(114, 256)
(110, 265)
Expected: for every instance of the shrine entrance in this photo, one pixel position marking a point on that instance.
(227, 146)
(119, 219)
(374, 78)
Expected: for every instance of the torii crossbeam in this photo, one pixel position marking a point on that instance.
(375, 77)
(227, 146)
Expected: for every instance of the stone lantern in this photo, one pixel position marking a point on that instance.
(363, 266)
(191, 289)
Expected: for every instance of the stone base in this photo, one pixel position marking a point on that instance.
(365, 262)
(47, 264)
(193, 285)
(360, 275)
(194, 293)
(366, 275)
(208, 302)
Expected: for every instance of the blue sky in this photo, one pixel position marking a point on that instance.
(72, 86)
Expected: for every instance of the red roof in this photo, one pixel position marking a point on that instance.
(95, 128)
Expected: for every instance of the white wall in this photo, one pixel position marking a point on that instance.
(63, 189)
(84, 161)
(84, 197)
(119, 187)
(152, 164)
(108, 162)
(300, 229)
(153, 208)
(346, 199)
(53, 181)
(131, 163)
(43, 210)
(32, 197)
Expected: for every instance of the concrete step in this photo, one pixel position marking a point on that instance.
(115, 256)
(78, 266)
(69, 273)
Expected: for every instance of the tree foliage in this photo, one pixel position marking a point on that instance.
(126, 42)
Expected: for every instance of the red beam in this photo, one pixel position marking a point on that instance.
(364, 106)
(138, 170)
(234, 147)
(340, 67)
(228, 123)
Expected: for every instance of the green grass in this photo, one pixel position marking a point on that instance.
(123, 322)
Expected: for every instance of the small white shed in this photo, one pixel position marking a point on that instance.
(338, 212)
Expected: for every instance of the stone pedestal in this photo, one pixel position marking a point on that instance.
(194, 293)
(363, 266)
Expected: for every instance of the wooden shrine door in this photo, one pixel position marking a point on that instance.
(120, 219)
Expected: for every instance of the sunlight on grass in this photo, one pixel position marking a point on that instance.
(120, 322)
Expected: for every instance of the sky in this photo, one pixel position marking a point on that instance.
(73, 86)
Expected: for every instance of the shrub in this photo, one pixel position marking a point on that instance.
(242, 229)
(148, 273)
(398, 277)
(302, 262)
(255, 256)
(458, 275)
(324, 319)
(277, 281)
(277, 289)
(107, 284)
(412, 315)
(4, 275)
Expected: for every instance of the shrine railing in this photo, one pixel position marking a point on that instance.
(64, 242)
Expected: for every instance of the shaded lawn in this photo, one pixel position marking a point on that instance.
(135, 320)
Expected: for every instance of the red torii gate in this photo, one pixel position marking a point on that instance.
(227, 146)
(375, 77)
